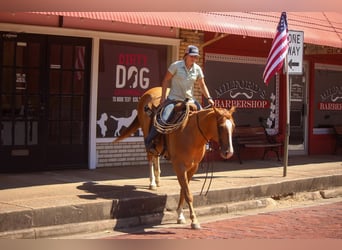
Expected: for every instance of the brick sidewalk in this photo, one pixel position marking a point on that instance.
(313, 222)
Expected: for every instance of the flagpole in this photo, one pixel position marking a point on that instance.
(275, 61)
(287, 128)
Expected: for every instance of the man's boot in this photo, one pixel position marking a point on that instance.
(150, 143)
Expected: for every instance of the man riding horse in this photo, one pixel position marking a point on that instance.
(215, 124)
(180, 78)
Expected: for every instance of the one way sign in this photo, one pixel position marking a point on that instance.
(295, 52)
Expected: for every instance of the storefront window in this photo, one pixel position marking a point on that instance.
(328, 96)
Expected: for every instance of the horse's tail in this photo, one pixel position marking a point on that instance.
(132, 128)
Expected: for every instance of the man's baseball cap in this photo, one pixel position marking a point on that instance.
(192, 50)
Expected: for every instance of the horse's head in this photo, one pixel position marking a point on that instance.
(225, 125)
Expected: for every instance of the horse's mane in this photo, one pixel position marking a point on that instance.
(222, 111)
(227, 113)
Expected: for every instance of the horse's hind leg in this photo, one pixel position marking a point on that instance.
(154, 168)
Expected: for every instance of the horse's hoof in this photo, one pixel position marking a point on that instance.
(153, 187)
(181, 221)
(195, 226)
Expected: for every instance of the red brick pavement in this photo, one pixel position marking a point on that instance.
(314, 222)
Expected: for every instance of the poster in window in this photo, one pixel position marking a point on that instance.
(328, 97)
(126, 71)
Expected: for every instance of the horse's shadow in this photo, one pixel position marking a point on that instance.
(130, 204)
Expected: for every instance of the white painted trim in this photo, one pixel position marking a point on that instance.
(323, 131)
(234, 59)
(22, 28)
(93, 103)
(328, 67)
(128, 139)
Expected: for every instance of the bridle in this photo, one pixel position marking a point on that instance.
(208, 150)
(218, 129)
(199, 128)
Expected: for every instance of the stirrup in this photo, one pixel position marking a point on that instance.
(151, 148)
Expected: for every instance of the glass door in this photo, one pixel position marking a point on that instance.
(21, 101)
(298, 113)
(67, 95)
(44, 91)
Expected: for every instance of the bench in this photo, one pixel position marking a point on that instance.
(338, 136)
(255, 137)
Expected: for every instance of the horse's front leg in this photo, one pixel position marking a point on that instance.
(187, 195)
(189, 199)
(194, 224)
(180, 214)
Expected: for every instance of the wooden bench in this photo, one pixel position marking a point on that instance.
(255, 137)
(338, 136)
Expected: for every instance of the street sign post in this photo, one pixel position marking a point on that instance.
(294, 66)
(295, 52)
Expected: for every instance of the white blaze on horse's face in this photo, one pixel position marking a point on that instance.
(230, 151)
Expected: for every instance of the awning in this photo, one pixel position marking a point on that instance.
(320, 28)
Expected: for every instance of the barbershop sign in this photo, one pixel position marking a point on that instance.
(241, 94)
(237, 81)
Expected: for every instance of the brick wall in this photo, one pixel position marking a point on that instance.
(120, 154)
(133, 153)
(190, 37)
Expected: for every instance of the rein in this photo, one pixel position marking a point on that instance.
(199, 128)
(208, 164)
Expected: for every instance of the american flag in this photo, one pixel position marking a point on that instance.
(278, 50)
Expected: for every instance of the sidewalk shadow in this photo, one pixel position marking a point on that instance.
(64, 176)
(128, 203)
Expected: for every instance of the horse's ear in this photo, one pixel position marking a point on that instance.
(232, 109)
(215, 109)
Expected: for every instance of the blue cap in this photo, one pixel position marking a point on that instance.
(192, 50)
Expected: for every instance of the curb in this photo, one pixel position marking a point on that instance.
(123, 224)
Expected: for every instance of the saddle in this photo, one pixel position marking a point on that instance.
(180, 108)
(177, 119)
(172, 115)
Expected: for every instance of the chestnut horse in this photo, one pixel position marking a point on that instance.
(186, 146)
